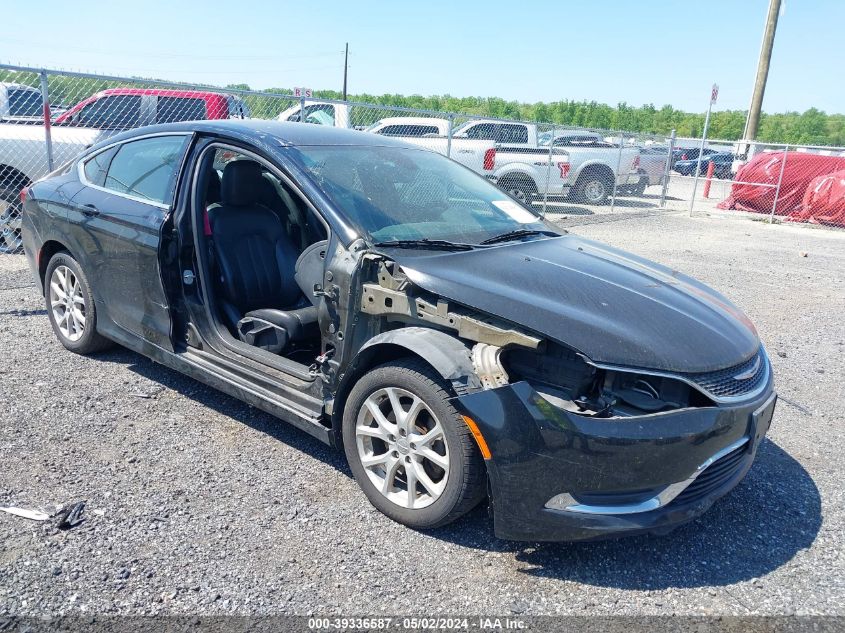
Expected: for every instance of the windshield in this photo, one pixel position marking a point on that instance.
(395, 193)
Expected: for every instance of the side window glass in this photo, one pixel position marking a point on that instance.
(112, 112)
(483, 131)
(513, 134)
(174, 109)
(97, 166)
(147, 168)
(24, 102)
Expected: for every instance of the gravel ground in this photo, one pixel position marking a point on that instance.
(199, 504)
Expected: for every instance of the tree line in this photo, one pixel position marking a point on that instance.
(812, 127)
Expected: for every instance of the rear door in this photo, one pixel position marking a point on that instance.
(118, 217)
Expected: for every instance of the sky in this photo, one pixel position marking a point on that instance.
(651, 51)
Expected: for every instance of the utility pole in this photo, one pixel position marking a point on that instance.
(345, 67)
(753, 121)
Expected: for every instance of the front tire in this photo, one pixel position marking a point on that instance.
(70, 306)
(409, 449)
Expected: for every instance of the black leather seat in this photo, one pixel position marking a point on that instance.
(256, 262)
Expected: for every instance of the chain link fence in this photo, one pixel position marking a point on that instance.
(48, 117)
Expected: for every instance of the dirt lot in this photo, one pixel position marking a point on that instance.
(199, 504)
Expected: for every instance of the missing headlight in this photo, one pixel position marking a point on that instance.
(567, 380)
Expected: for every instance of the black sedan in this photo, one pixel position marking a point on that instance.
(722, 165)
(389, 301)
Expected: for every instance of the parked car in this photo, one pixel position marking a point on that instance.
(410, 126)
(125, 108)
(397, 305)
(722, 165)
(596, 165)
(591, 161)
(477, 154)
(23, 155)
(689, 153)
(20, 104)
(320, 113)
(652, 168)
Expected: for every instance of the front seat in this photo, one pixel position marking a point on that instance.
(256, 261)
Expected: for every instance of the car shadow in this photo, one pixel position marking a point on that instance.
(761, 525)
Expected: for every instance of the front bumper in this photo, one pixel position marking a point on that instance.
(607, 477)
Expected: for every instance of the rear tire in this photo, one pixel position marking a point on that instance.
(593, 188)
(70, 306)
(10, 221)
(385, 448)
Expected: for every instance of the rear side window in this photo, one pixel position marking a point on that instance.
(114, 112)
(483, 131)
(147, 168)
(513, 133)
(24, 102)
(407, 130)
(174, 109)
(97, 166)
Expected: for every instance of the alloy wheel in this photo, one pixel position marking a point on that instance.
(10, 227)
(402, 447)
(67, 303)
(594, 191)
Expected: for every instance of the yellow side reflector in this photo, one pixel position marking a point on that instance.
(479, 438)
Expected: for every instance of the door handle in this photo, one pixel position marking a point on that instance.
(90, 210)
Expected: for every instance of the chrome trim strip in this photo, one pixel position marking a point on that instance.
(80, 168)
(720, 399)
(568, 503)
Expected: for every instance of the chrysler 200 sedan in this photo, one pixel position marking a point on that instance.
(391, 302)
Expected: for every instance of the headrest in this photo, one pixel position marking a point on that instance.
(241, 182)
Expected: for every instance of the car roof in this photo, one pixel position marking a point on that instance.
(261, 131)
(411, 120)
(161, 92)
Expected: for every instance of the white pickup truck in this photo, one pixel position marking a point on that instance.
(477, 154)
(592, 161)
(23, 159)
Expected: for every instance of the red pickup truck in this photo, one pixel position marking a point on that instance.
(124, 108)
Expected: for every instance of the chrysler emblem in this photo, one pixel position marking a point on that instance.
(748, 373)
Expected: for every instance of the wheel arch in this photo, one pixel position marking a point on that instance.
(601, 169)
(444, 354)
(45, 254)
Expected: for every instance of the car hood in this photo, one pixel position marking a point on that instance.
(612, 306)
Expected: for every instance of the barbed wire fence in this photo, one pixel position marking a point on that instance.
(47, 117)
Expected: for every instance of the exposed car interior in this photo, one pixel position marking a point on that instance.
(265, 253)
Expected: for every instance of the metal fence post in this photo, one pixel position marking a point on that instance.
(449, 135)
(549, 169)
(618, 167)
(667, 170)
(48, 139)
(700, 152)
(780, 180)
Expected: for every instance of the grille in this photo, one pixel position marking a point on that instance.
(724, 384)
(714, 476)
